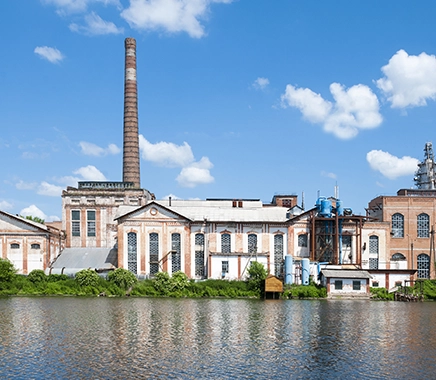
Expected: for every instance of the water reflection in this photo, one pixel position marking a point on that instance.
(109, 338)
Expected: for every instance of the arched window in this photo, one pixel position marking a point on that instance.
(132, 259)
(176, 264)
(423, 223)
(154, 252)
(398, 225)
(15, 246)
(252, 243)
(278, 255)
(225, 243)
(302, 240)
(199, 255)
(423, 266)
(398, 257)
(35, 246)
(373, 252)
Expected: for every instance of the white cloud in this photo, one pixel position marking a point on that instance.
(4, 205)
(390, 166)
(261, 83)
(32, 210)
(77, 6)
(354, 109)
(172, 196)
(166, 154)
(95, 25)
(409, 79)
(50, 190)
(195, 174)
(313, 107)
(21, 185)
(90, 173)
(329, 175)
(91, 149)
(173, 16)
(52, 55)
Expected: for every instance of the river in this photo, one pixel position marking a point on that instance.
(144, 338)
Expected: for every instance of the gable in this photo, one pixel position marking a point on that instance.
(9, 223)
(153, 212)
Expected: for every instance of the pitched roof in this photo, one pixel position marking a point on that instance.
(341, 273)
(72, 260)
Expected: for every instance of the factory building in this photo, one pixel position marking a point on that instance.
(120, 224)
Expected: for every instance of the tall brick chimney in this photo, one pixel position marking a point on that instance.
(131, 171)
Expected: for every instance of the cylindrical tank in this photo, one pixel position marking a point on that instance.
(305, 271)
(339, 208)
(288, 269)
(326, 208)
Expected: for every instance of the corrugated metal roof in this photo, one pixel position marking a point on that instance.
(223, 211)
(338, 273)
(76, 259)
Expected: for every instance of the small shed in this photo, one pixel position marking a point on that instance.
(341, 283)
(273, 287)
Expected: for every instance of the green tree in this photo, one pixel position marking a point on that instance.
(87, 277)
(7, 270)
(33, 219)
(123, 278)
(256, 274)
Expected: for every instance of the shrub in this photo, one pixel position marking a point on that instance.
(7, 270)
(122, 278)
(37, 276)
(179, 281)
(87, 277)
(57, 277)
(162, 282)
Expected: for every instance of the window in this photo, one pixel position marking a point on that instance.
(132, 260)
(302, 240)
(356, 285)
(176, 254)
(398, 283)
(252, 243)
(398, 225)
(373, 245)
(154, 252)
(35, 246)
(15, 246)
(91, 222)
(225, 243)
(423, 223)
(423, 266)
(75, 222)
(278, 255)
(375, 284)
(338, 284)
(199, 255)
(225, 267)
(373, 251)
(398, 257)
(346, 241)
(373, 263)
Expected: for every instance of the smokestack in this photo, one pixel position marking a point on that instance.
(131, 139)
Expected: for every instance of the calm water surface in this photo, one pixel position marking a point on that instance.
(138, 338)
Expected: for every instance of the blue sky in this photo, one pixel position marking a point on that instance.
(237, 99)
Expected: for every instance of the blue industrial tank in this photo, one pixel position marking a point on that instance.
(288, 269)
(339, 208)
(305, 271)
(326, 208)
